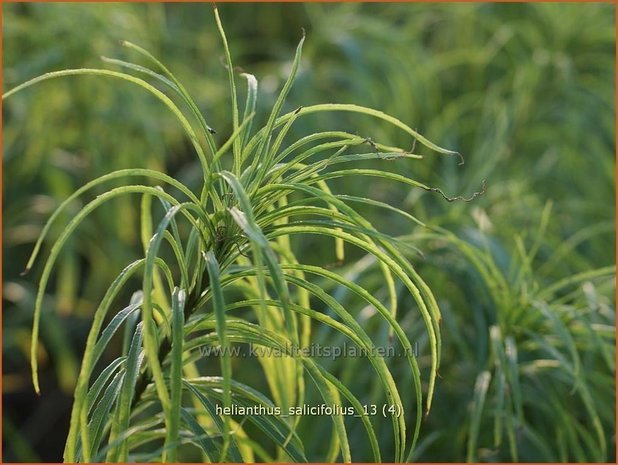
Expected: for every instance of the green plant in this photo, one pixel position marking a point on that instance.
(229, 250)
(536, 364)
(514, 87)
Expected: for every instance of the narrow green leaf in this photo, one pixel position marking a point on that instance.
(175, 374)
(134, 361)
(480, 392)
(226, 364)
(126, 77)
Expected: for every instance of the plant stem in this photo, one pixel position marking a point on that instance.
(166, 345)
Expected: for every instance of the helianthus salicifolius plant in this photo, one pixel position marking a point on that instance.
(219, 270)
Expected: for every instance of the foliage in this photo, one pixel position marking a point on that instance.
(235, 254)
(524, 279)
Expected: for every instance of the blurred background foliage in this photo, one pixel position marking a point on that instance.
(525, 278)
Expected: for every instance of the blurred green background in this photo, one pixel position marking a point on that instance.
(526, 92)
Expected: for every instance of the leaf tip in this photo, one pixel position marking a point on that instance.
(461, 158)
(35, 379)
